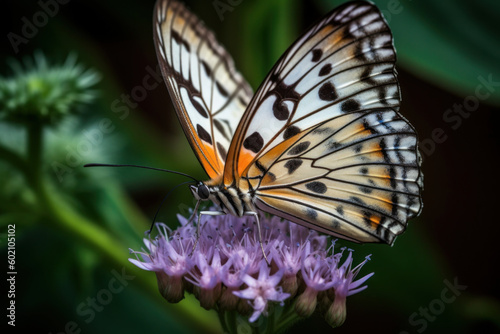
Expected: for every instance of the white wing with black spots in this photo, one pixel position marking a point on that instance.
(209, 95)
(343, 64)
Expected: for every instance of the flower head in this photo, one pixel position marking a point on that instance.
(262, 289)
(227, 270)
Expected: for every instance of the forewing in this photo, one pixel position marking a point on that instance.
(322, 142)
(209, 94)
(344, 63)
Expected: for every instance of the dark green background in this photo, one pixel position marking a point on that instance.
(443, 48)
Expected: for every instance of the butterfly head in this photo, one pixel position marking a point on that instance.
(200, 191)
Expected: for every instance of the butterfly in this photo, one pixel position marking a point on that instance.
(320, 143)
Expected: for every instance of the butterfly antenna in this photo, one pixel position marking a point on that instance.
(163, 201)
(145, 167)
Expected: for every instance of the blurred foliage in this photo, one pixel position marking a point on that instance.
(74, 226)
(43, 94)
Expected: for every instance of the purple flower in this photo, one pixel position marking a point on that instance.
(227, 270)
(263, 289)
(344, 286)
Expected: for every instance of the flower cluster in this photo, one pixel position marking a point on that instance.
(227, 271)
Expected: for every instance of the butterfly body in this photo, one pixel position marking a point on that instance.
(321, 142)
(229, 199)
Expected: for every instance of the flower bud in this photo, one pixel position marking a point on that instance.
(209, 297)
(336, 314)
(290, 284)
(228, 300)
(306, 302)
(171, 287)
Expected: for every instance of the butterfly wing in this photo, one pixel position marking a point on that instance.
(209, 94)
(322, 142)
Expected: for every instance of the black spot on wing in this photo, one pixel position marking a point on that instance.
(203, 134)
(254, 142)
(300, 148)
(280, 110)
(324, 130)
(325, 70)
(333, 145)
(221, 89)
(366, 190)
(207, 69)
(316, 55)
(220, 128)
(311, 214)
(222, 151)
(317, 187)
(350, 105)
(199, 108)
(340, 210)
(292, 165)
(271, 176)
(291, 131)
(358, 201)
(327, 92)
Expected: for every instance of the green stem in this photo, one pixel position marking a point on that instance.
(34, 150)
(278, 320)
(287, 318)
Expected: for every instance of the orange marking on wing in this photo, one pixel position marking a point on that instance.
(244, 160)
(325, 31)
(363, 131)
(214, 181)
(211, 156)
(276, 151)
(386, 176)
(376, 151)
(179, 21)
(375, 221)
(386, 203)
(333, 39)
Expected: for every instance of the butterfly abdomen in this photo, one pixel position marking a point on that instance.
(231, 200)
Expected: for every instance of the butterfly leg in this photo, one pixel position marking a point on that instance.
(256, 216)
(198, 230)
(194, 212)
